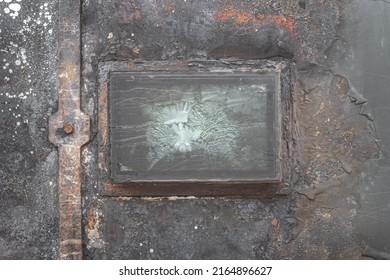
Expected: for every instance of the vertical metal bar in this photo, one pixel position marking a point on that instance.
(69, 129)
(70, 203)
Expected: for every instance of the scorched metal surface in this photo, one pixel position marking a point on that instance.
(333, 202)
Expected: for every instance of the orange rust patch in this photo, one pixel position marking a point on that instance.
(275, 223)
(241, 17)
(227, 13)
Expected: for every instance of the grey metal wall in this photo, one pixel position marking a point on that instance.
(338, 202)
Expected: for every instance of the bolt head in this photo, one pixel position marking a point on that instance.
(68, 128)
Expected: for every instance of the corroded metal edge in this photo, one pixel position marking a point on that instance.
(69, 129)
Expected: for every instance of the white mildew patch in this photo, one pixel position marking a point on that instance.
(32, 23)
(45, 17)
(12, 7)
(17, 56)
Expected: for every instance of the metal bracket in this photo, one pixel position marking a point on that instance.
(69, 130)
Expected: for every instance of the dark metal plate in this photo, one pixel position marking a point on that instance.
(194, 127)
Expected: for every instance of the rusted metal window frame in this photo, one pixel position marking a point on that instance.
(214, 188)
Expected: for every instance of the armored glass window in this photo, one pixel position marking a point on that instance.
(206, 127)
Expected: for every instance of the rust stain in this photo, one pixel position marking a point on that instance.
(169, 8)
(286, 23)
(103, 117)
(276, 227)
(225, 14)
(275, 224)
(103, 127)
(92, 219)
(136, 51)
(68, 128)
(76, 125)
(241, 17)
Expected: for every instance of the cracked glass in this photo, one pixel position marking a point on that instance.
(194, 126)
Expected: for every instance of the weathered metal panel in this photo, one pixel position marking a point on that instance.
(333, 201)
